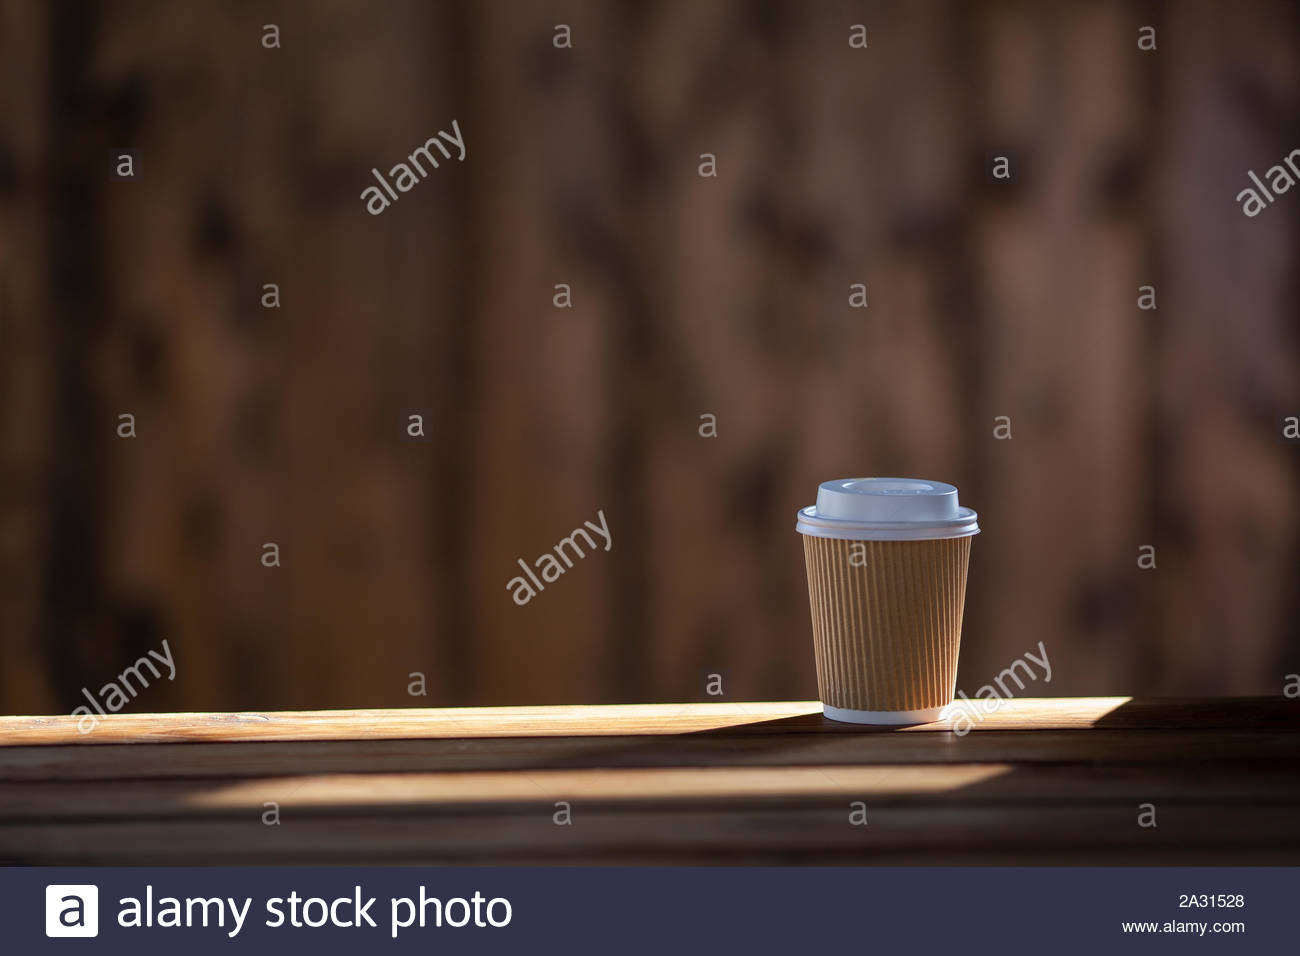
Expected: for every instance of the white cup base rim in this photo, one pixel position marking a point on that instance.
(893, 717)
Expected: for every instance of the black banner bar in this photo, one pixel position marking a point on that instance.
(650, 910)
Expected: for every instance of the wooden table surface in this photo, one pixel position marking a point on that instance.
(1039, 781)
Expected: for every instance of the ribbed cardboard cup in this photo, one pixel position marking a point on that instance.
(887, 634)
(886, 609)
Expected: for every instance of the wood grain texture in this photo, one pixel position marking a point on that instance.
(635, 719)
(782, 834)
(1047, 781)
(522, 791)
(718, 748)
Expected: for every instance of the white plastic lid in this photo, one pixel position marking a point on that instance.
(886, 509)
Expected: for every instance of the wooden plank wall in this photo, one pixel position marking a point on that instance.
(727, 296)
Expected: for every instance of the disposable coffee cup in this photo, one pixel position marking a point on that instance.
(887, 561)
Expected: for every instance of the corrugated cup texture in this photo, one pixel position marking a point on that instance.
(887, 633)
